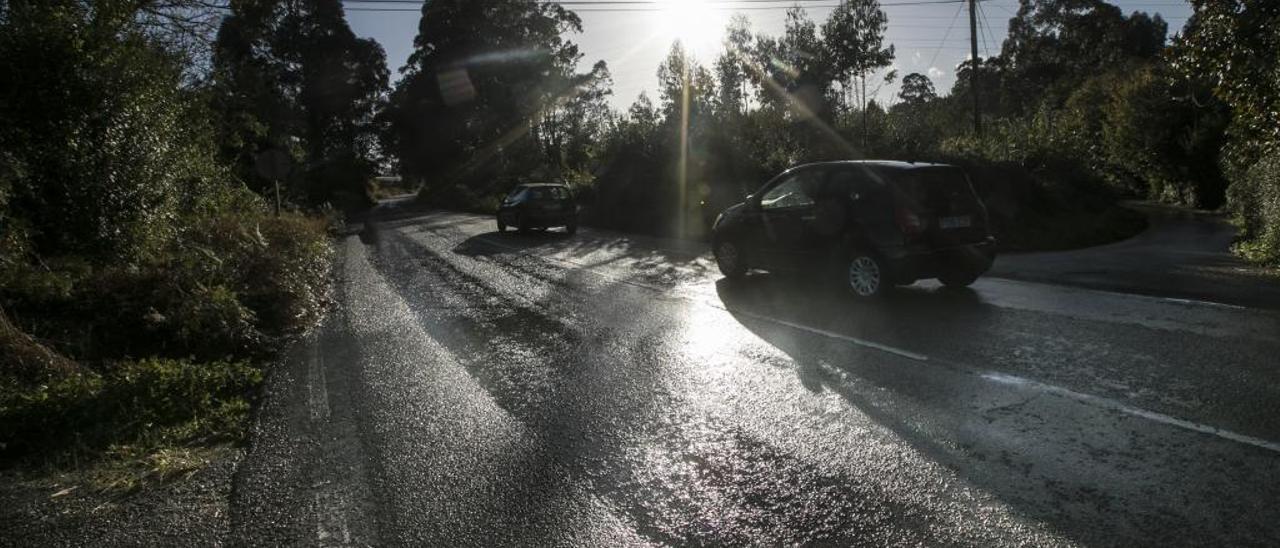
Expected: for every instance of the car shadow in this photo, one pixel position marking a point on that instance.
(900, 312)
(941, 408)
(506, 242)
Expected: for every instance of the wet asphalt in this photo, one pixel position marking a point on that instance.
(477, 388)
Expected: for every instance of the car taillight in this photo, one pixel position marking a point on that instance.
(909, 222)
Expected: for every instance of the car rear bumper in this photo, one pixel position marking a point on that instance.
(916, 264)
(512, 218)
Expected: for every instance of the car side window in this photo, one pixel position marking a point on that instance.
(792, 192)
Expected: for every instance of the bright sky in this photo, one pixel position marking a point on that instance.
(930, 37)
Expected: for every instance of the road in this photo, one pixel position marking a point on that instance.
(477, 388)
(1185, 253)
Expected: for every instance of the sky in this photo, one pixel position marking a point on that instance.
(633, 37)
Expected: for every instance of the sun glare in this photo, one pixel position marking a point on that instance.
(695, 23)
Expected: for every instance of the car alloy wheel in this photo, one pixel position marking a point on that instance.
(865, 277)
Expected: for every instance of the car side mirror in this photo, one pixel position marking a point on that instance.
(752, 201)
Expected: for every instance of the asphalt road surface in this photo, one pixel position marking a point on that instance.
(478, 388)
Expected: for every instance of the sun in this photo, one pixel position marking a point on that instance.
(695, 23)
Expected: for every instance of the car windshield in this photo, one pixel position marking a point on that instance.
(616, 273)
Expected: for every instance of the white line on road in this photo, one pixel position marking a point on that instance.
(317, 387)
(1005, 378)
(1002, 378)
(1194, 302)
(831, 334)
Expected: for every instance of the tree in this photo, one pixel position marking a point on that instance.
(731, 69)
(101, 145)
(481, 76)
(341, 83)
(917, 89)
(293, 77)
(1235, 46)
(792, 72)
(685, 87)
(1054, 45)
(854, 37)
(571, 131)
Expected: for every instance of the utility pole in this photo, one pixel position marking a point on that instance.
(974, 66)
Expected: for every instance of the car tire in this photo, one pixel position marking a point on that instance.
(571, 228)
(958, 279)
(731, 259)
(522, 225)
(865, 276)
(502, 227)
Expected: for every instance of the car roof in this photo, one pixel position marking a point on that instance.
(542, 185)
(878, 164)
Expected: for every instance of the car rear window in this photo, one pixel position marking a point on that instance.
(549, 193)
(942, 190)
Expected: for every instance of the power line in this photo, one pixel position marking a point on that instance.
(945, 36)
(986, 30)
(634, 6)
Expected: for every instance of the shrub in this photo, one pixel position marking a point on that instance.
(147, 403)
(1254, 198)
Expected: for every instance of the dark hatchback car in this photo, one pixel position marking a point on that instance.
(538, 207)
(869, 224)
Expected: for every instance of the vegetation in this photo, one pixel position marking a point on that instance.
(1082, 106)
(143, 273)
(1234, 46)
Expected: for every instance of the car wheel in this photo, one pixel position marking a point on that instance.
(502, 227)
(522, 225)
(731, 259)
(571, 228)
(866, 276)
(958, 279)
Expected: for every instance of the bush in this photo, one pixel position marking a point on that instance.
(100, 138)
(148, 403)
(1040, 196)
(1254, 198)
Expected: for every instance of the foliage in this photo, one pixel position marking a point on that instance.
(123, 237)
(99, 138)
(1053, 45)
(1235, 46)
(149, 403)
(227, 285)
(1166, 132)
(293, 77)
(917, 89)
(1256, 198)
(481, 76)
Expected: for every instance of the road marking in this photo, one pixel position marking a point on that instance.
(1002, 378)
(317, 391)
(831, 334)
(1107, 403)
(1194, 302)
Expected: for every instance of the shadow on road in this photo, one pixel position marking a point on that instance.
(656, 258)
(982, 431)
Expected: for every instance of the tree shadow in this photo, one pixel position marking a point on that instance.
(657, 260)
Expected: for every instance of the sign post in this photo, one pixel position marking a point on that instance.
(274, 164)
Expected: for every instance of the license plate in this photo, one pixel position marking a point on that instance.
(962, 221)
